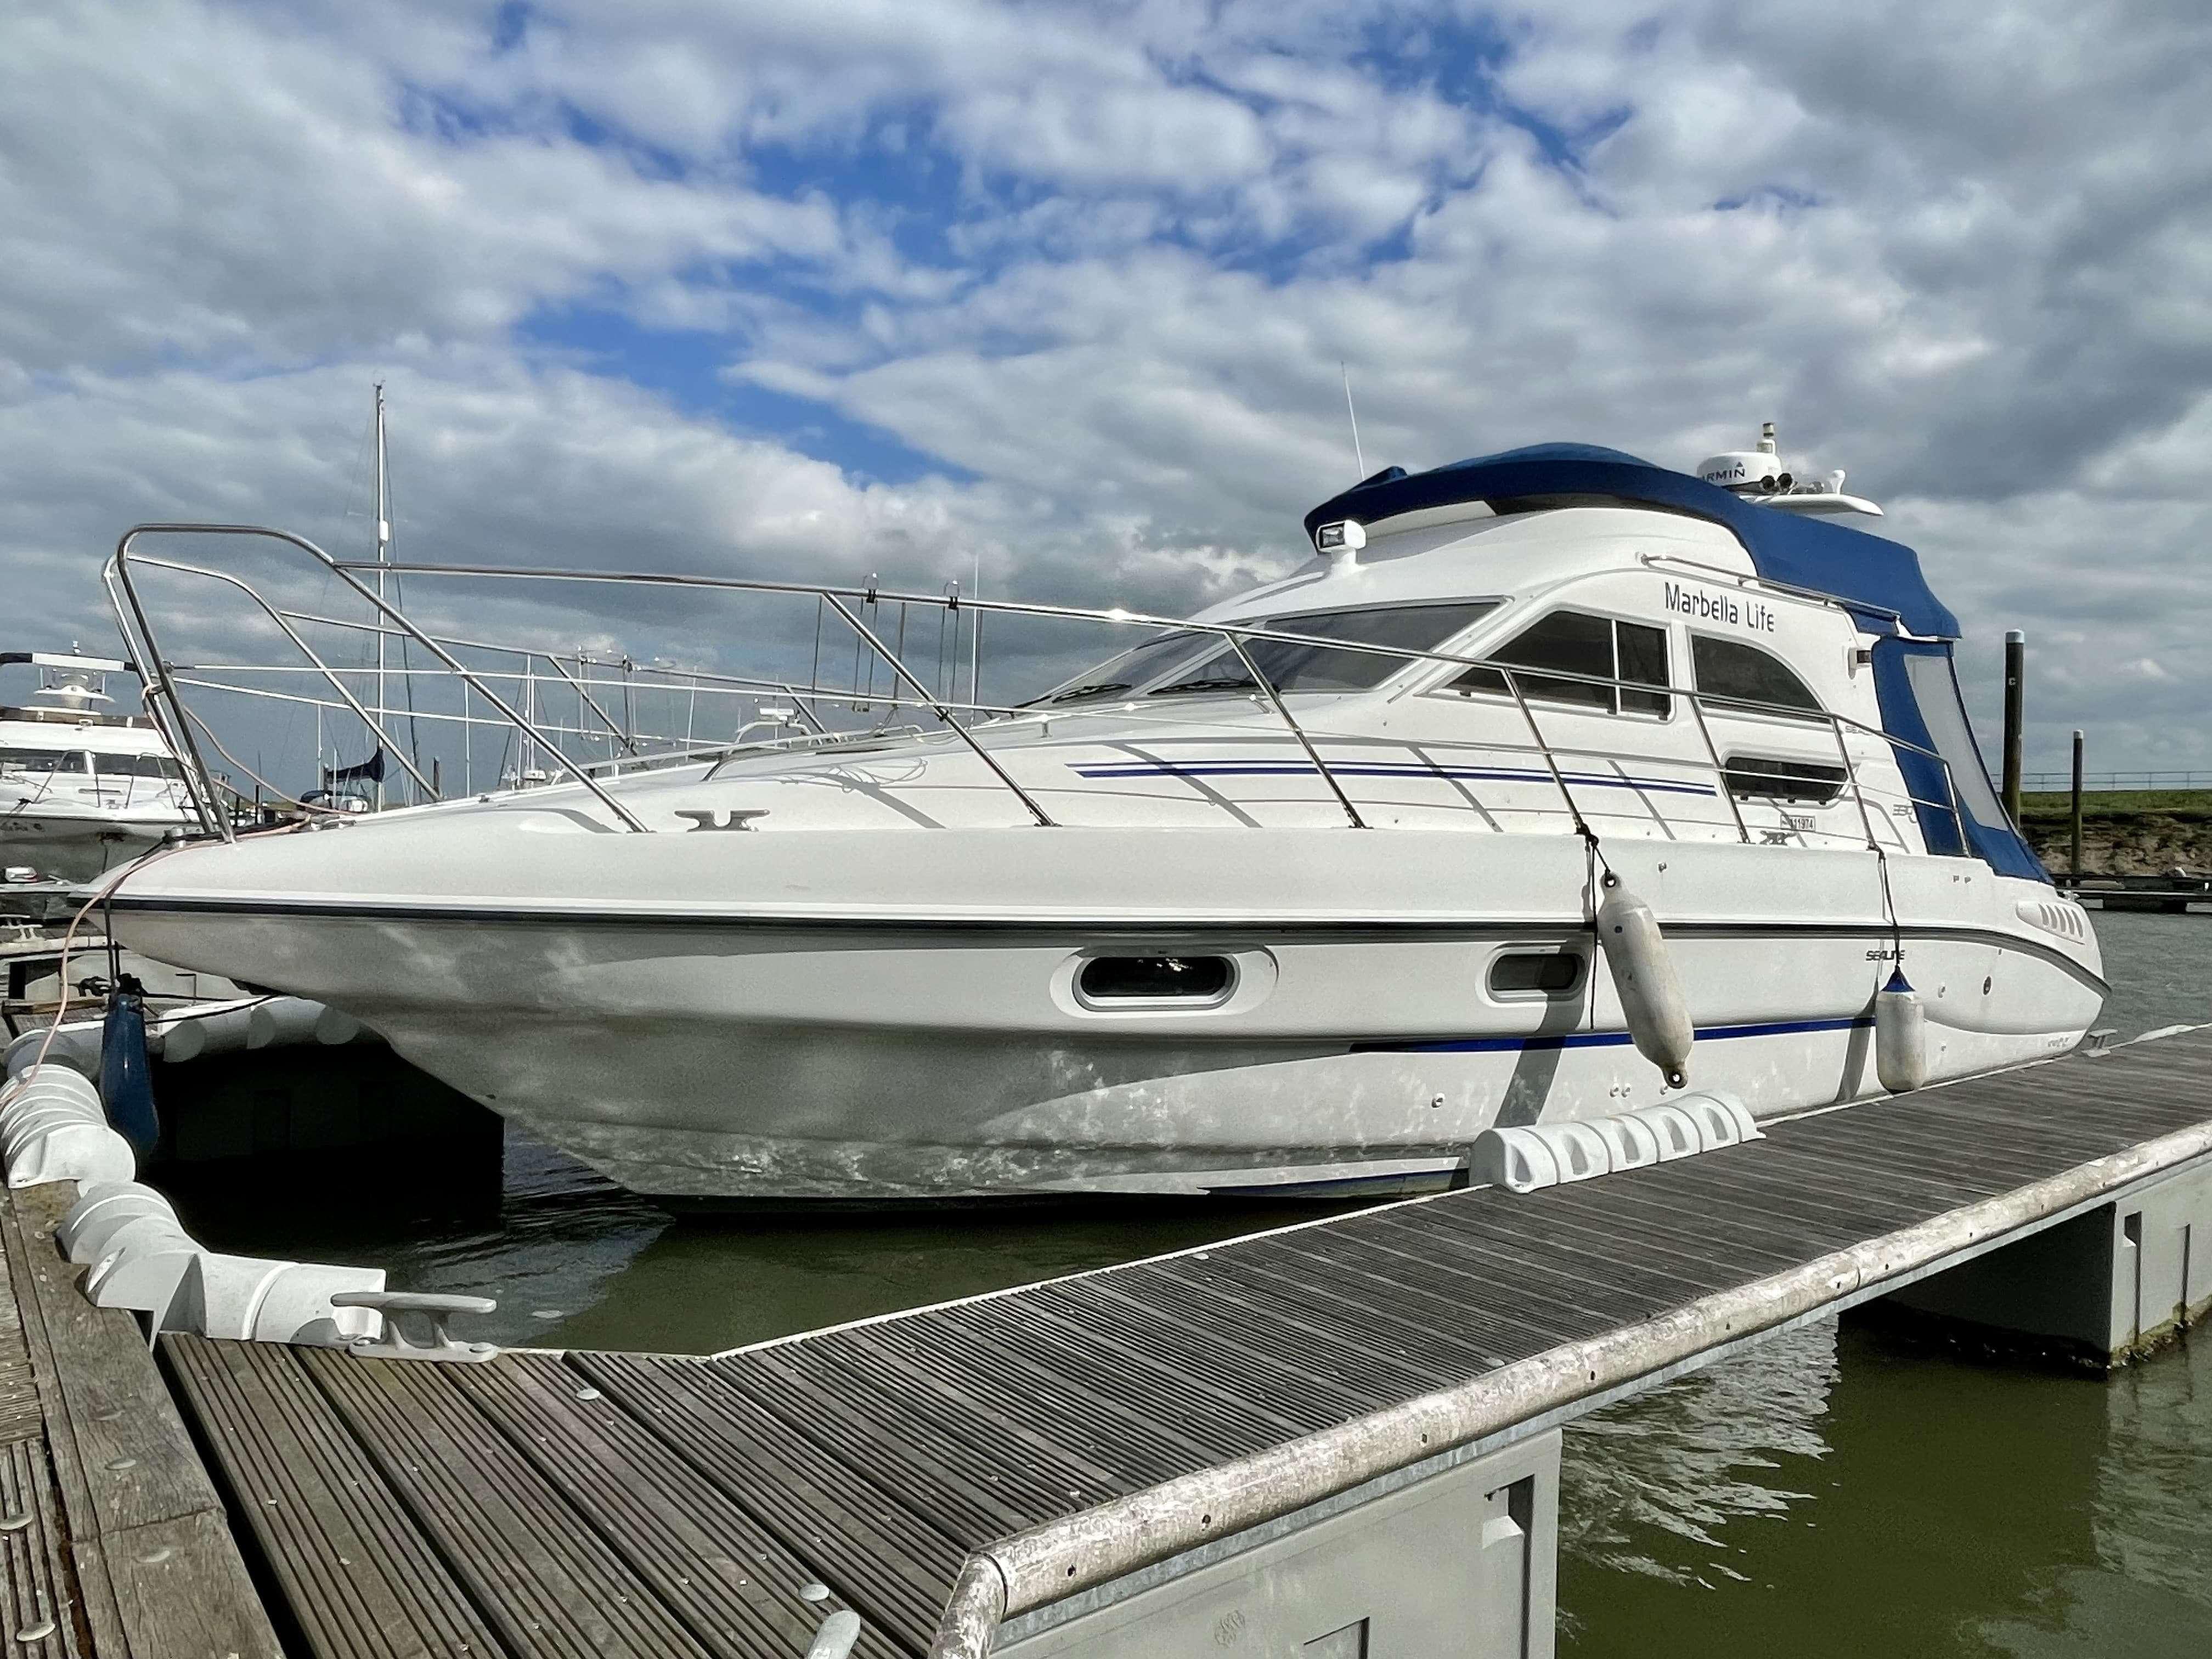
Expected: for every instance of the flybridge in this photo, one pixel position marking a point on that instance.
(1879, 580)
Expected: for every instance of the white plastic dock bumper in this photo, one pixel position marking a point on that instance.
(1528, 1156)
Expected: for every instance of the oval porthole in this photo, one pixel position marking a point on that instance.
(1535, 974)
(1155, 979)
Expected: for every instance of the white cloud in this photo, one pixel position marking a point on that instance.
(1102, 260)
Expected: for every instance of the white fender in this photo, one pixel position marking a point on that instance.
(1517, 1159)
(75, 1045)
(101, 1212)
(1631, 1142)
(280, 1022)
(1900, 1036)
(82, 1152)
(1644, 974)
(1722, 1119)
(220, 1030)
(1674, 1129)
(1581, 1150)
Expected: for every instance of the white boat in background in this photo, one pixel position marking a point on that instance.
(82, 790)
(1298, 896)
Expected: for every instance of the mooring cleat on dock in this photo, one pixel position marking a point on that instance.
(415, 1325)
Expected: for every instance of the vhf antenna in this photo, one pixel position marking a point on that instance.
(1357, 454)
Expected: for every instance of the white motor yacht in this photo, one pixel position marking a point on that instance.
(83, 791)
(1297, 897)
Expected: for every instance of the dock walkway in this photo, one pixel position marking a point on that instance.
(113, 1541)
(1049, 1438)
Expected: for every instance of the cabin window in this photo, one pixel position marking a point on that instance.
(1756, 777)
(135, 766)
(1576, 643)
(1294, 665)
(42, 761)
(1516, 973)
(1155, 979)
(1728, 670)
(1122, 676)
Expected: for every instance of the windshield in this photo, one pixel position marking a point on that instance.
(1294, 665)
(41, 761)
(135, 766)
(1120, 676)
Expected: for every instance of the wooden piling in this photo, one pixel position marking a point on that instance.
(2015, 682)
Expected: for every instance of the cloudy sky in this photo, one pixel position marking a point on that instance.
(806, 288)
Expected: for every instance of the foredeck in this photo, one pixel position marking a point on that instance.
(609, 1505)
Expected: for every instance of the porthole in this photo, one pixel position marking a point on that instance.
(1170, 980)
(1536, 974)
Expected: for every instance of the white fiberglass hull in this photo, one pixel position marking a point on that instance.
(76, 845)
(881, 1015)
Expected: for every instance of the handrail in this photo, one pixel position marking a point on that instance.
(306, 650)
(1234, 634)
(1790, 589)
(121, 565)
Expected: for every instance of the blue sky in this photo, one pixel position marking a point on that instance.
(841, 286)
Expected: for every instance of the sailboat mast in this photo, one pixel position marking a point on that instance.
(383, 557)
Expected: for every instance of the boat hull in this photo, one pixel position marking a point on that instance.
(704, 1054)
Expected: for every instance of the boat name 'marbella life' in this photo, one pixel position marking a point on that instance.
(1720, 607)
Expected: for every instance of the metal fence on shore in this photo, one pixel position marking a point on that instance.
(2062, 782)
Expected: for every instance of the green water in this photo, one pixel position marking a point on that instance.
(1832, 1492)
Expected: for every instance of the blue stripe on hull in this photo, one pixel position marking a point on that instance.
(1381, 769)
(1604, 1039)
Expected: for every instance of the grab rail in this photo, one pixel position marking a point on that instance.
(834, 597)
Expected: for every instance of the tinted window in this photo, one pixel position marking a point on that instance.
(135, 766)
(1755, 778)
(1154, 979)
(1535, 972)
(1291, 666)
(1642, 659)
(1122, 676)
(1737, 672)
(41, 760)
(1575, 643)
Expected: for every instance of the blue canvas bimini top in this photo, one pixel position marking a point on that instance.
(1875, 577)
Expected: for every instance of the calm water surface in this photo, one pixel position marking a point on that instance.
(1832, 1492)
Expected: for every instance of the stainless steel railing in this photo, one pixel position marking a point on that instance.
(839, 601)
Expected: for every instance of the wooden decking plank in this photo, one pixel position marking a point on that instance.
(136, 1461)
(155, 1567)
(1059, 1349)
(892, 1564)
(540, 1573)
(1335, 1298)
(1131, 1444)
(20, 1415)
(1437, 1266)
(1213, 1345)
(1463, 1342)
(733, 1581)
(181, 1589)
(1139, 1337)
(969, 1507)
(935, 1430)
(360, 1579)
(39, 1584)
(1692, 1276)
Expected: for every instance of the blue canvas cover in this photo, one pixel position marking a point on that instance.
(1917, 689)
(1878, 579)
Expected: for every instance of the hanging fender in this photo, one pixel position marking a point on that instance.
(1644, 974)
(1900, 1036)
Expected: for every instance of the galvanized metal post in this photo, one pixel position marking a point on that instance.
(2015, 701)
(2076, 865)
